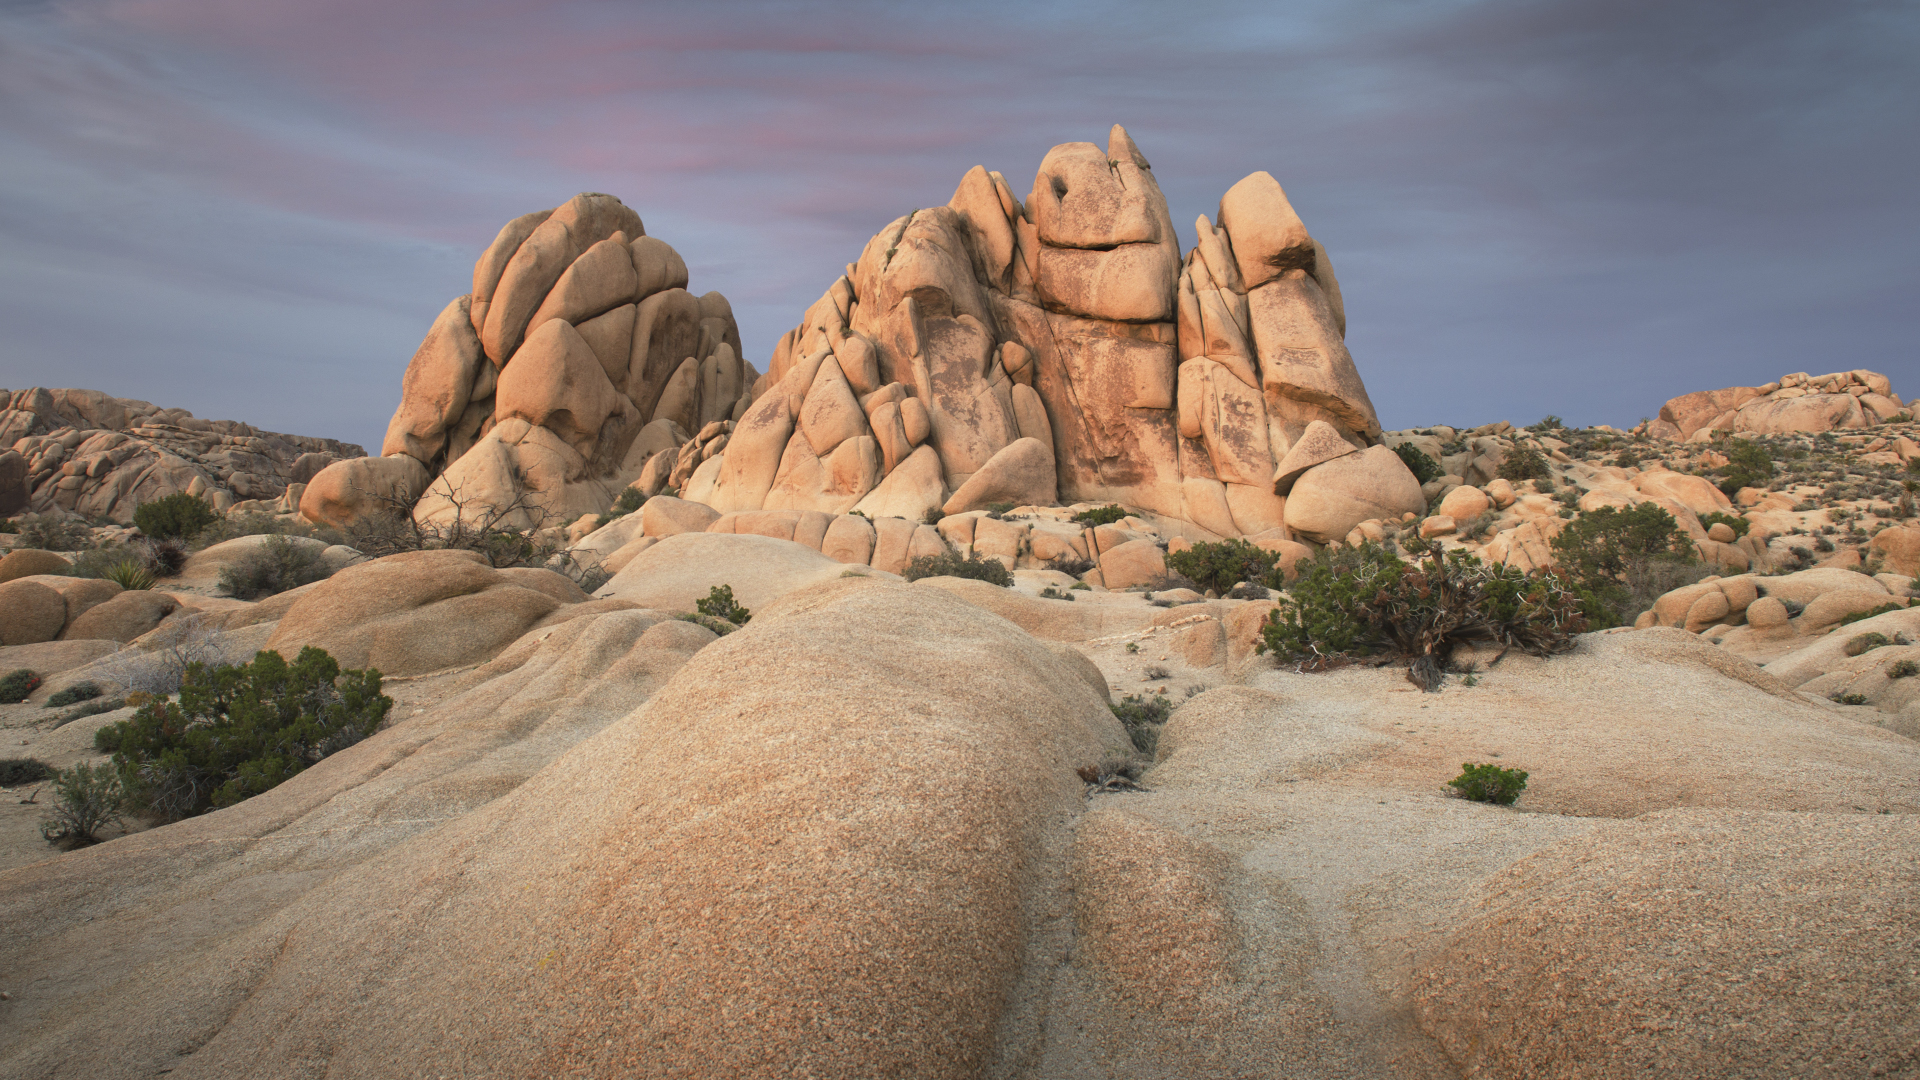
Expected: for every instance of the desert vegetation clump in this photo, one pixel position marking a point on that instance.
(54, 532)
(1903, 669)
(1143, 715)
(1870, 613)
(1620, 561)
(1070, 563)
(179, 516)
(1419, 463)
(17, 771)
(1866, 643)
(86, 799)
(1218, 567)
(238, 730)
(276, 566)
(73, 695)
(1100, 515)
(720, 604)
(952, 564)
(1738, 524)
(1524, 463)
(1748, 465)
(15, 685)
(1489, 783)
(1368, 604)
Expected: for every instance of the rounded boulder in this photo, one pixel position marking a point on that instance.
(1330, 499)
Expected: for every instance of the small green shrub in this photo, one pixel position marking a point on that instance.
(1849, 699)
(274, 567)
(1220, 566)
(720, 604)
(629, 501)
(1070, 563)
(1620, 561)
(720, 627)
(1866, 643)
(1524, 463)
(1489, 783)
(1081, 586)
(130, 575)
(106, 739)
(1870, 613)
(1051, 593)
(933, 516)
(54, 532)
(17, 684)
(86, 799)
(1902, 669)
(1738, 524)
(1748, 465)
(8, 526)
(1423, 467)
(1101, 515)
(1628, 458)
(73, 695)
(1142, 716)
(1549, 423)
(950, 564)
(999, 509)
(179, 516)
(17, 771)
(240, 730)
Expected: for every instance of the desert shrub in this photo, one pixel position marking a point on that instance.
(1866, 643)
(163, 558)
(1143, 716)
(130, 574)
(1051, 593)
(1620, 561)
(1748, 465)
(951, 564)
(239, 730)
(1101, 515)
(9, 526)
(1523, 463)
(176, 646)
(1081, 586)
(1738, 524)
(933, 516)
(1220, 566)
(73, 695)
(1423, 467)
(1365, 602)
(999, 510)
(720, 627)
(1489, 783)
(1070, 563)
(1628, 458)
(720, 604)
(1548, 423)
(1870, 613)
(16, 771)
(254, 523)
(1902, 669)
(179, 516)
(54, 532)
(86, 799)
(1848, 699)
(274, 567)
(630, 500)
(1156, 672)
(17, 684)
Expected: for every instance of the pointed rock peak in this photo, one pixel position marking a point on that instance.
(1268, 237)
(1120, 148)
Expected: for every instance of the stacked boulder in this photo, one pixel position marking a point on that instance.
(576, 358)
(88, 453)
(1796, 403)
(1060, 350)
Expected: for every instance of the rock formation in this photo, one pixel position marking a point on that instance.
(1797, 402)
(577, 357)
(990, 350)
(99, 456)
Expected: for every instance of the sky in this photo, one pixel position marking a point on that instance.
(254, 210)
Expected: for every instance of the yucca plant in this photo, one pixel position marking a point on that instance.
(129, 574)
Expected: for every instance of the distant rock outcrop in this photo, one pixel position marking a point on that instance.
(578, 356)
(1798, 402)
(987, 351)
(99, 456)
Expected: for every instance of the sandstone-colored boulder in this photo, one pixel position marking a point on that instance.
(1899, 546)
(663, 516)
(1830, 607)
(1768, 613)
(910, 490)
(556, 382)
(1268, 237)
(601, 279)
(1696, 493)
(35, 613)
(1706, 611)
(1330, 499)
(350, 491)
(1020, 473)
(1463, 502)
(1319, 444)
(1805, 586)
(434, 391)
(1721, 533)
(412, 613)
(657, 267)
(1437, 525)
(85, 594)
(1136, 562)
(25, 562)
(674, 573)
(126, 616)
(1588, 959)
(849, 539)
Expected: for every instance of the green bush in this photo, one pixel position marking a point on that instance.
(1902, 669)
(1051, 593)
(16, 771)
(237, 731)
(1489, 784)
(1220, 566)
(1620, 561)
(1748, 465)
(1351, 603)
(86, 799)
(1628, 458)
(53, 532)
(274, 567)
(73, 695)
(1870, 613)
(106, 739)
(629, 501)
(9, 526)
(720, 604)
(1524, 463)
(17, 684)
(950, 564)
(1101, 515)
(179, 516)
(1143, 717)
(1848, 699)
(1423, 468)
(1738, 524)
(1866, 643)
(1070, 563)
(130, 575)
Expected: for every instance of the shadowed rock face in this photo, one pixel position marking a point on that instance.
(1060, 349)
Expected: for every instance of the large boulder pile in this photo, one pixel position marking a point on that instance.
(87, 453)
(1797, 402)
(538, 396)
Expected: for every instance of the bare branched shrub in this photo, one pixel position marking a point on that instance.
(176, 646)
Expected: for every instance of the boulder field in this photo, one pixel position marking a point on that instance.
(855, 838)
(1793, 403)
